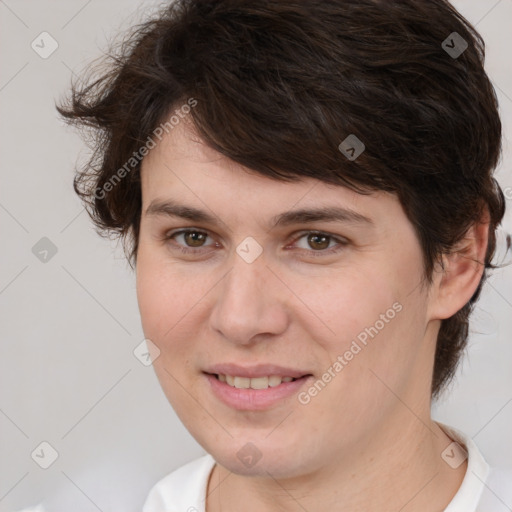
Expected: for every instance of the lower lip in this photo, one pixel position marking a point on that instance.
(254, 399)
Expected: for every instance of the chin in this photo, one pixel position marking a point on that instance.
(260, 458)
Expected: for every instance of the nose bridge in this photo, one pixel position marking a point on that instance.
(247, 302)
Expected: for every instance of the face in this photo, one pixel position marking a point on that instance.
(231, 280)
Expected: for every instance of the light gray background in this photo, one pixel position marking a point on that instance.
(68, 375)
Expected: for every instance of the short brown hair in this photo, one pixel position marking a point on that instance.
(278, 84)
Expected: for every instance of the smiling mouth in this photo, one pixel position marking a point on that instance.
(264, 382)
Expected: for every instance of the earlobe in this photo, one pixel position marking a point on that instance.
(462, 271)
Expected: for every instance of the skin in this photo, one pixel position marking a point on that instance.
(366, 440)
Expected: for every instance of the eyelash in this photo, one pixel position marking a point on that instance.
(321, 252)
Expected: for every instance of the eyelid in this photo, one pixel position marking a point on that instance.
(304, 232)
(341, 241)
(169, 235)
(180, 231)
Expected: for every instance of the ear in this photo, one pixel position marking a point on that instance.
(457, 281)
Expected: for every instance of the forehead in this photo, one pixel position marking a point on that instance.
(182, 167)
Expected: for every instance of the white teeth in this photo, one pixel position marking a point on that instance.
(274, 381)
(242, 382)
(259, 383)
(255, 383)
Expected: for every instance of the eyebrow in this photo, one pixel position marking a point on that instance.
(301, 216)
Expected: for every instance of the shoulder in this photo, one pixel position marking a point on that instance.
(502, 477)
(182, 490)
(497, 495)
(484, 488)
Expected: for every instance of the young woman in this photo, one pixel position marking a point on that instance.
(306, 192)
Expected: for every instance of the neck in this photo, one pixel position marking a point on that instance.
(385, 472)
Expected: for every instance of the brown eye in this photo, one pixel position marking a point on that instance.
(188, 241)
(318, 241)
(194, 238)
(318, 244)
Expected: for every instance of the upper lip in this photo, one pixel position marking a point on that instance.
(254, 371)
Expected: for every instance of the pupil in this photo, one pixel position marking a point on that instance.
(323, 244)
(194, 237)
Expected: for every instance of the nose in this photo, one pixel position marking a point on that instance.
(250, 303)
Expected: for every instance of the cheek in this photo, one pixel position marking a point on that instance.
(373, 318)
(172, 302)
(346, 304)
(164, 295)
(156, 299)
(166, 301)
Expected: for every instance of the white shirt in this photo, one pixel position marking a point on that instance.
(482, 490)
